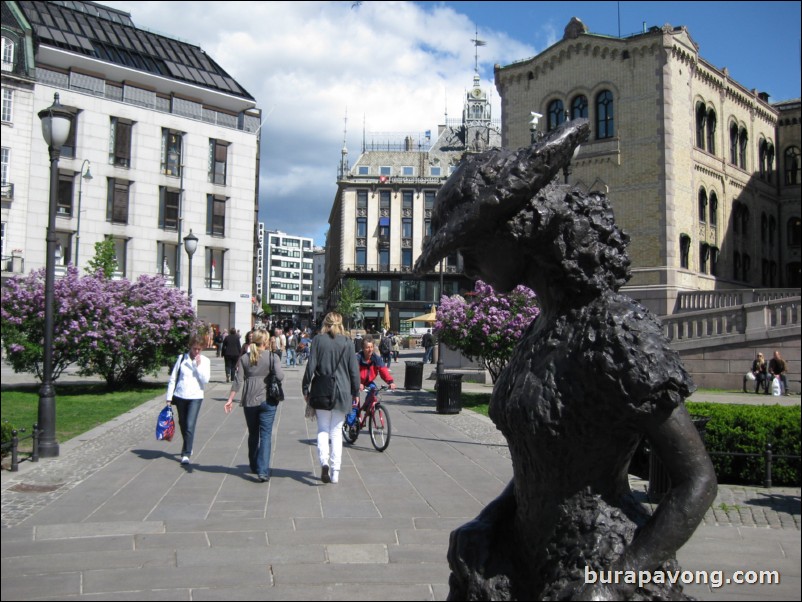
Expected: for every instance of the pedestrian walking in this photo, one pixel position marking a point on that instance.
(250, 377)
(185, 390)
(428, 346)
(332, 353)
(231, 352)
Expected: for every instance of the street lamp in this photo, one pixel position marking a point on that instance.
(88, 177)
(56, 124)
(190, 246)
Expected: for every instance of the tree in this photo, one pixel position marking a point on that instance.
(488, 327)
(117, 329)
(350, 299)
(105, 260)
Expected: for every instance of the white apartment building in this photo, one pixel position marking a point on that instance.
(288, 280)
(170, 139)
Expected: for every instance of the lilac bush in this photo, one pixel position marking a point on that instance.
(117, 329)
(488, 326)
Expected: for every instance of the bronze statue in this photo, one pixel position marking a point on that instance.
(592, 375)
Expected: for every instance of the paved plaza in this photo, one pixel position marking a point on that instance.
(116, 517)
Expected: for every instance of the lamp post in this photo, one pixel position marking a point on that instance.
(439, 338)
(88, 177)
(56, 124)
(190, 246)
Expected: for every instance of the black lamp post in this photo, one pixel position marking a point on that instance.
(190, 246)
(88, 177)
(56, 124)
(439, 341)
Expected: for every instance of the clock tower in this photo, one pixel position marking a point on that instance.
(476, 118)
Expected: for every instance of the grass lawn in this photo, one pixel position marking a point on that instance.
(79, 408)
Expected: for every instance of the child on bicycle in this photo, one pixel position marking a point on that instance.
(371, 366)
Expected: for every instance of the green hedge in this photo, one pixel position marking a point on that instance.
(747, 429)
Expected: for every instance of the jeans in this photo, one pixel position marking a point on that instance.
(260, 436)
(427, 356)
(290, 357)
(330, 426)
(188, 410)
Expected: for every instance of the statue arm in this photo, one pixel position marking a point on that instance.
(679, 446)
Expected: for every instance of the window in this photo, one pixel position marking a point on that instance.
(702, 206)
(406, 227)
(734, 144)
(63, 248)
(794, 232)
(791, 165)
(120, 143)
(407, 171)
(361, 227)
(363, 170)
(8, 54)
(120, 255)
(743, 140)
(579, 107)
(385, 290)
(5, 166)
(64, 201)
(384, 229)
(215, 215)
(793, 274)
(772, 230)
(736, 266)
(117, 201)
(412, 290)
(406, 202)
(556, 114)
(361, 257)
(7, 105)
(711, 132)
(713, 209)
(385, 171)
(684, 250)
(704, 255)
(713, 261)
(765, 152)
(435, 172)
(384, 259)
(169, 201)
(764, 228)
(214, 268)
(428, 200)
(406, 258)
(218, 157)
(171, 152)
(361, 200)
(701, 118)
(605, 124)
(746, 262)
(427, 227)
(384, 203)
(167, 254)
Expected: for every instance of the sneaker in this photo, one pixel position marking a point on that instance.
(184, 459)
(324, 475)
(335, 476)
(263, 478)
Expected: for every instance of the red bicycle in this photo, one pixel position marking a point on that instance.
(372, 415)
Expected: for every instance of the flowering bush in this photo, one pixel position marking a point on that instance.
(487, 327)
(117, 329)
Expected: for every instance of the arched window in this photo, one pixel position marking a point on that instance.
(734, 144)
(743, 140)
(736, 217)
(684, 251)
(702, 205)
(769, 161)
(736, 266)
(793, 274)
(744, 220)
(746, 262)
(713, 261)
(711, 132)
(605, 122)
(701, 118)
(713, 209)
(704, 256)
(791, 165)
(761, 158)
(579, 107)
(556, 113)
(794, 232)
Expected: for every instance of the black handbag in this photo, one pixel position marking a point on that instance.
(323, 392)
(275, 392)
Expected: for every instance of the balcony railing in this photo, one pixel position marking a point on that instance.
(379, 268)
(8, 191)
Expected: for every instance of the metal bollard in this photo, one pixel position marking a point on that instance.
(35, 442)
(14, 451)
(767, 481)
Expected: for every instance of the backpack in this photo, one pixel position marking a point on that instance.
(386, 345)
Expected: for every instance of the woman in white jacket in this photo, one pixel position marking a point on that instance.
(188, 379)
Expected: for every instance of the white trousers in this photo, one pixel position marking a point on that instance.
(330, 427)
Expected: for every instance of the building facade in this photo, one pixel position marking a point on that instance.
(318, 284)
(289, 284)
(381, 216)
(163, 143)
(703, 174)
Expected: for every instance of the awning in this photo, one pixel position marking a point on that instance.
(384, 221)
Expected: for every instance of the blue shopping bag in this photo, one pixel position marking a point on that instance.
(165, 425)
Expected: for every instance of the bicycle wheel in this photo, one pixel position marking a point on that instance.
(380, 428)
(350, 433)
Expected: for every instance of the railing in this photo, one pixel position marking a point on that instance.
(13, 446)
(697, 300)
(738, 319)
(8, 190)
(13, 263)
(768, 458)
(377, 267)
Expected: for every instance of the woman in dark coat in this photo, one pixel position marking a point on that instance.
(332, 353)
(591, 376)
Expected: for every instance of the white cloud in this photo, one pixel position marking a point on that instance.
(394, 65)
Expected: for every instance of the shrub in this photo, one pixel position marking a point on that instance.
(737, 428)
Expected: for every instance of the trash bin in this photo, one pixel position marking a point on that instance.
(413, 377)
(659, 481)
(449, 393)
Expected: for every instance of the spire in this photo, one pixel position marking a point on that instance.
(476, 43)
(343, 171)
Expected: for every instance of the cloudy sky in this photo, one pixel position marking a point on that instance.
(399, 66)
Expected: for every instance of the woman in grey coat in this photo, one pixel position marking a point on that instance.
(251, 376)
(332, 353)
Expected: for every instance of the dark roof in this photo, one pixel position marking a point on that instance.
(110, 35)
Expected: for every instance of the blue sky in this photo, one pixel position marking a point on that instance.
(395, 66)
